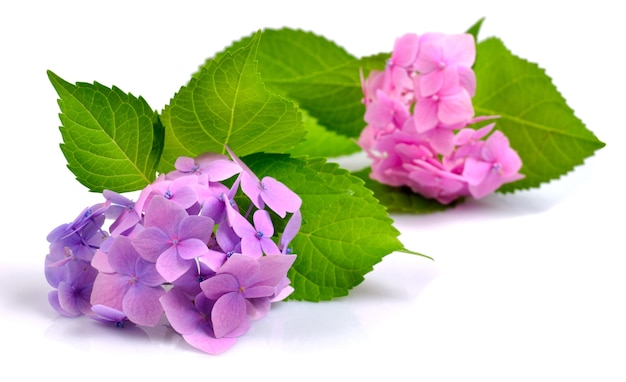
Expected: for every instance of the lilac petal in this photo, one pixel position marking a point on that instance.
(222, 169)
(198, 227)
(258, 308)
(263, 223)
(109, 290)
(107, 314)
(273, 269)
(259, 291)
(280, 198)
(218, 285)
(251, 186)
(180, 311)
(242, 267)
(123, 255)
(141, 304)
(147, 274)
(151, 243)
(185, 164)
(229, 313)
(164, 214)
(192, 248)
(171, 266)
(291, 230)
(53, 300)
(269, 247)
(68, 301)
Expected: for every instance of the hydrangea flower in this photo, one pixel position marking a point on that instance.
(419, 117)
(125, 261)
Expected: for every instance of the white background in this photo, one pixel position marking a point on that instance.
(524, 287)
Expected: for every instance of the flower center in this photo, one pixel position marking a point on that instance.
(259, 234)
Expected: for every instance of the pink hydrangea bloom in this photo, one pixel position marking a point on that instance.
(421, 135)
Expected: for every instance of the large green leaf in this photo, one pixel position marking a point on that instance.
(111, 139)
(227, 103)
(535, 117)
(345, 230)
(319, 75)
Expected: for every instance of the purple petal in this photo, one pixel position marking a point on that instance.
(259, 291)
(141, 304)
(123, 255)
(229, 313)
(263, 223)
(164, 214)
(109, 290)
(280, 198)
(258, 307)
(244, 268)
(273, 269)
(291, 230)
(198, 227)
(106, 313)
(218, 285)
(151, 243)
(180, 311)
(191, 248)
(171, 266)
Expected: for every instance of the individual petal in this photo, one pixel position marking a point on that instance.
(151, 243)
(180, 311)
(280, 198)
(171, 266)
(244, 268)
(53, 300)
(273, 269)
(164, 214)
(109, 289)
(291, 230)
(425, 114)
(257, 308)
(218, 285)
(228, 314)
(197, 227)
(263, 223)
(141, 304)
(122, 256)
(191, 248)
(405, 50)
(455, 107)
(475, 170)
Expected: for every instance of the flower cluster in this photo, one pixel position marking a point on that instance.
(183, 249)
(418, 113)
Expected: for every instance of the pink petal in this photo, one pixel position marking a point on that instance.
(171, 266)
(142, 306)
(456, 107)
(229, 313)
(218, 285)
(475, 171)
(180, 311)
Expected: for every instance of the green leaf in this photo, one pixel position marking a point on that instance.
(345, 231)
(318, 74)
(535, 117)
(475, 29)
(111, 139)
(321, 142)
(227, 103)
(400, 199)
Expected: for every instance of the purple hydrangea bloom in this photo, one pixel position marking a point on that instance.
(172, 238)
